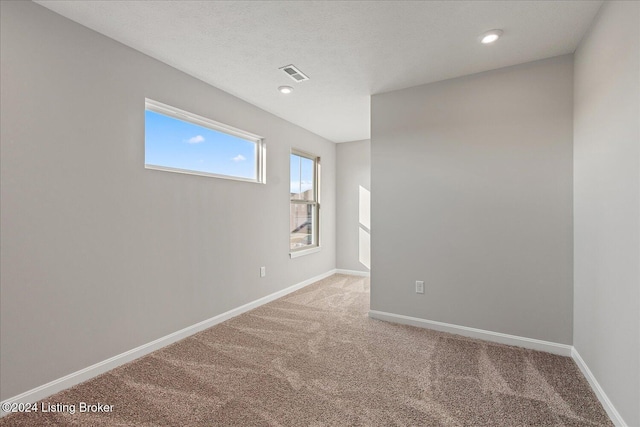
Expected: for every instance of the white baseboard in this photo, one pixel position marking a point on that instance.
(616, 418)
(92, 371)
(353, 272)
(531, 343)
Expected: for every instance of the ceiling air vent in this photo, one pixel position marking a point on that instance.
(295, 74)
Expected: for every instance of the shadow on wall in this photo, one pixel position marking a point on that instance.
(364, 216)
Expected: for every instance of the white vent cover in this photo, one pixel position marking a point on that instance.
(295, 74)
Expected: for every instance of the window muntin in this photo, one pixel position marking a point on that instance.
(304, 204)
(302, 229)
(179, 141)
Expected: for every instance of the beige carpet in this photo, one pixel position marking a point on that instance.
(314, 358)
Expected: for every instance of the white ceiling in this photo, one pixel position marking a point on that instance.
(349, 49)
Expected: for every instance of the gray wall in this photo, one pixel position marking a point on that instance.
(100, 255)
(471, 185)
(607, 204)
(353, 171)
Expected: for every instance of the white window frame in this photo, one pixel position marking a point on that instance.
(176, 113)
(294, 253)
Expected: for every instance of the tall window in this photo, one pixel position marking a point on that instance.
(179, 141)
(304, 214)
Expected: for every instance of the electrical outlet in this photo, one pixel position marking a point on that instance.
(419, 287)
(263, 271)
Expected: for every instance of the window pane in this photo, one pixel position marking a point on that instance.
(176, 144)
(302, 176)
(301, 220)
(306, 178)
(294, 175)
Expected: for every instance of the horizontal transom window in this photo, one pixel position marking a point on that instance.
(179, 141)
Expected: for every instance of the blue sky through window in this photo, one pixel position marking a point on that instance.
(174, 143)
(301, 174)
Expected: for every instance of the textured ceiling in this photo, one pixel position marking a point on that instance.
(349, 49)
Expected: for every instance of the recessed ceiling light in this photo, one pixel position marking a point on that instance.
(285, 89)
(490, 36)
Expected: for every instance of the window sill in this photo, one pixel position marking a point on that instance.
(304, 252)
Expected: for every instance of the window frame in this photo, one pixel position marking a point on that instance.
(294, 253)
(176, 113)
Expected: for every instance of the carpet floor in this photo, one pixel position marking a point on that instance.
(314, 358)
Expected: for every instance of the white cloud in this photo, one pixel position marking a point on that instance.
(239, 158)
(195, 140)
